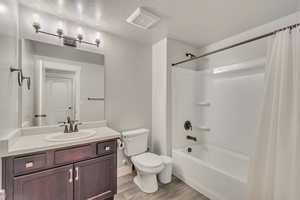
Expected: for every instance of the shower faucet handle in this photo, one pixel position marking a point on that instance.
(191, 138)
(188, 125)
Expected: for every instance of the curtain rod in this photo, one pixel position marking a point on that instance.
(237, 44)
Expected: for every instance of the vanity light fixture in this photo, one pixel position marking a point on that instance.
(36, 23)
(60, 34)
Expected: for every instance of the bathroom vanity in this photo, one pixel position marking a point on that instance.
(86, 171)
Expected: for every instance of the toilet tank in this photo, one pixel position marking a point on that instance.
(135, 141)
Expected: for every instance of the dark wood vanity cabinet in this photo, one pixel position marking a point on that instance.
(85, 172)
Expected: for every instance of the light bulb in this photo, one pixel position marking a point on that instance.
(60, 25)
(79, 31)
(98, 16)
(61, 2)
(60, 30)
(97, 39)
(36, 23)
(3, 8)
(79, 7)
(98, 35)
(36, 18)
(79, 36)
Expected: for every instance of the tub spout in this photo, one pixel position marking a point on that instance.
(191, 138)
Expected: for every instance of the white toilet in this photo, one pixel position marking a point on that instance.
(148, 165)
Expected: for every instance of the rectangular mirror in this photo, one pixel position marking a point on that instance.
(60, 82)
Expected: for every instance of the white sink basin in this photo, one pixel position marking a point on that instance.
(63, 137)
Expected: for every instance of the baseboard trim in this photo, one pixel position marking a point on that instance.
(123, 171)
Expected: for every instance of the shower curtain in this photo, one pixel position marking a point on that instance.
(274, 172)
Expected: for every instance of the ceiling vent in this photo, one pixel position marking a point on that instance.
(142, 18)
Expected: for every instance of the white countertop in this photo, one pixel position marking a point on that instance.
(36, 142)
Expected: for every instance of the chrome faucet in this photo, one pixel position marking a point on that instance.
(65, 125)
(70, 125)
(76, 126)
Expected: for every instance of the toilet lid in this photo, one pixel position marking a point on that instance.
(148, 160)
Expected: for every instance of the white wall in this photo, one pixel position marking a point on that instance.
(159, 98)
(8, 81)
(128, 85)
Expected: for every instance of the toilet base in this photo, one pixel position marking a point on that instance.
(146, 182)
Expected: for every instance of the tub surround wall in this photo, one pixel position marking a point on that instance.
(236, 96)
(184, 86)
(167, 98)
(234, 104)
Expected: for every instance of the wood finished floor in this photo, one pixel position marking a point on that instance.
(177, 190)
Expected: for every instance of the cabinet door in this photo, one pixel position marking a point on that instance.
(95, 179)
(53, 184)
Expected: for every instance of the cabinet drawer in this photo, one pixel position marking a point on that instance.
(104, 148)
(30, 163)
(74, 154)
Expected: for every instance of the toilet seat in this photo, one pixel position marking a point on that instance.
(148, 162)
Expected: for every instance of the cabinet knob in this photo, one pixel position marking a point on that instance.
(29, 164)
(107, 148)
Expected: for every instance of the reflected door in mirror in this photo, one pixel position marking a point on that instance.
(59, 99)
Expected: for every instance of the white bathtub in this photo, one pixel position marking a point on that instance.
(217, 173)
